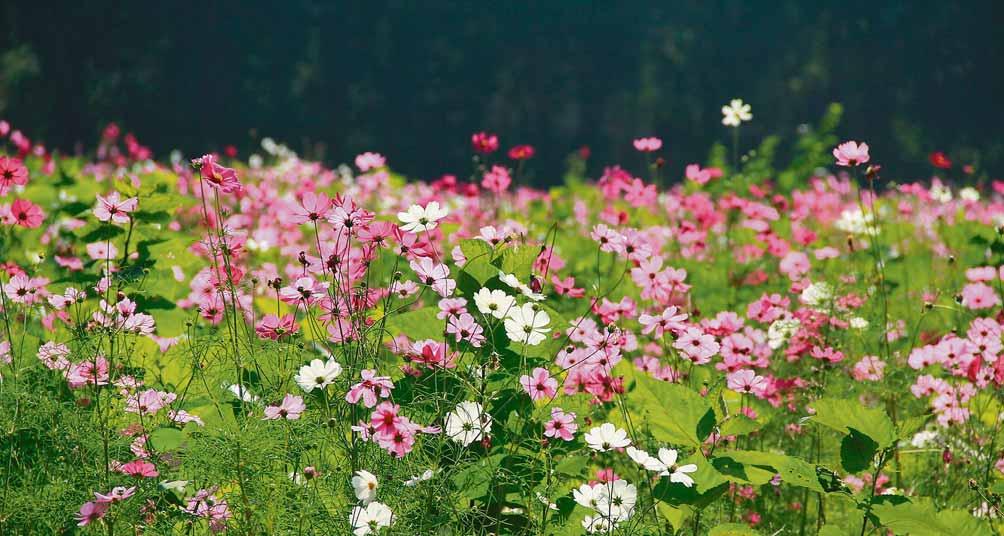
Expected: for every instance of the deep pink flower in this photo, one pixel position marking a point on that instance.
(140, 469)
(485, 143)
(12, 171)
(273, 327)
(521, 152)
(26, 214)
(218, 176)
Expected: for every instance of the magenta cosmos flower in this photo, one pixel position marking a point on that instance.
(484, 142)
(851, 153)
(369, 389)
(223, 178)
(561, 425)
(273, 327)
(12, 171)
(648, 145)
(25, 213)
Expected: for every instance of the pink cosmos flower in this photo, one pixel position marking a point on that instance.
(701, 176)
(313, 207)
(465, 328)
(484, 143)
(273, 327)
(670, 320)
(539, 384)
(139, 469)
(12, 171)
(850, 153)
(698, 346)
(561, 425)
(115, 209)
(290, 408)
(148, 402)
(304, 288)
(746, 382)
(26, 214)
(648, 145)
(521, 152)
(101, 251)
(370, 389)
(435, 275)
(117, 494)
(367, 161)
(91, 512)
(870, 368)
(496, 180)
(218, 176)
(979, 296)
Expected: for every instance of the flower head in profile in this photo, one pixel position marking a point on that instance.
(318, 374)
(117, 494)
(468, 423)
(419, 218)
(218, 176)
(648, 145)
(606, 437)
(851, 154)
(273, 327)
(370, 519)
(521, 152)
(735, 113)
(290, 408)
(91, 512)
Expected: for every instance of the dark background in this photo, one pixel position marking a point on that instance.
(414, 79)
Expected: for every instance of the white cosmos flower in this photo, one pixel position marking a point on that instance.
(318, 374)
(468, 423)
(645, 459)
(779, 331)
(969, 194)
(607, 437)
(817, 294)
(514, 282)
(585, 495)
(420, 218)
(364, 483)
(494, 302)
(735, 112)
(426, 475)
(615, 500)
(676, 473)
(527, 325)
(596, 525)
(370, 519)
(242, 393)
(857, 322)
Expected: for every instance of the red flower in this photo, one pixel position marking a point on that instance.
(485, 143)
(940, 160)
(12, 171)
(521, 152)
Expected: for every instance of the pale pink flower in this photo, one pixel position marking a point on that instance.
(539, 384)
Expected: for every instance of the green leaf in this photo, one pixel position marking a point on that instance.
(417, 325)
(165, 439)
(857, 452)
(676, 414)
(794, 471)
(519, 261)
(847, 415)
(919, 517)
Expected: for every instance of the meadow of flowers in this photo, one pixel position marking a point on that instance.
(264, 345)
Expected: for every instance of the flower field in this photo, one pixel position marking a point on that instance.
(783, 339)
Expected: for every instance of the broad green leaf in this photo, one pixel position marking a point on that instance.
(417, 325)
(165, 439)
(794, 471)
(675, 414)
(919, 517)
(846, 415)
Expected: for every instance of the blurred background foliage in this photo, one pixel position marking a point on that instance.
(414, 79)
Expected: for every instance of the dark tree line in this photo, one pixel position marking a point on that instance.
(414, 79)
